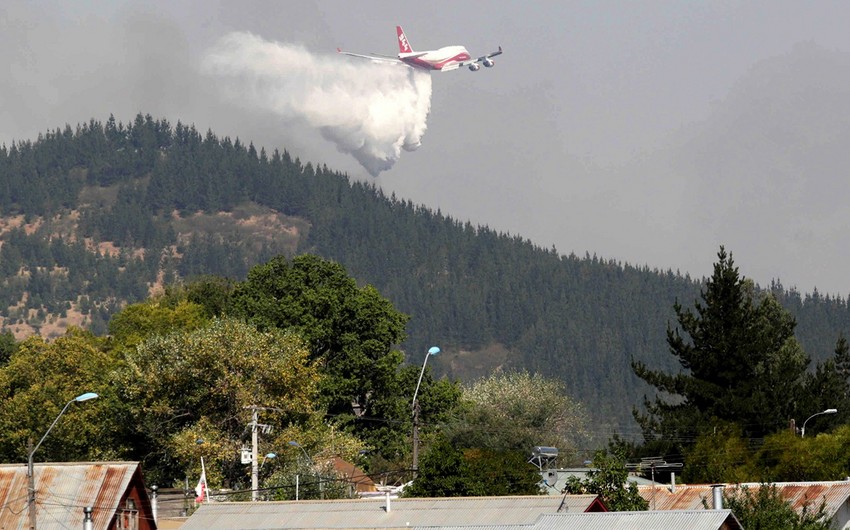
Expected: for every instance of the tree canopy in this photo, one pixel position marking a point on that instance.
(199, 384)
(765, 509)
(36, 383)
(447, 470)
(516, 411)
(483, 448)
(350, 331)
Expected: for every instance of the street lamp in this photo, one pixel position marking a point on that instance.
(30, 472)
(267, 456)
(827, 411)
(293, 443)
(434, 350)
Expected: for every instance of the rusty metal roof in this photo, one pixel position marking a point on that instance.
(62, 491)
(670, 520)
(799, 494)
(372, 513)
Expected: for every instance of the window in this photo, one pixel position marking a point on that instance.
(128, 517)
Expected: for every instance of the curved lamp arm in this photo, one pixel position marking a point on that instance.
(434, 350)
(827, 411)
(83, 397)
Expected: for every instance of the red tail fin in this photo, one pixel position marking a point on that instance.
(403, 44)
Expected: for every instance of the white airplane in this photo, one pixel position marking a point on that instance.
(444, 59)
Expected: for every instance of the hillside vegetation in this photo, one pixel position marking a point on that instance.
(103, 214)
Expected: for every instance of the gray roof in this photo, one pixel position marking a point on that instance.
(671, 520)
(372, 513)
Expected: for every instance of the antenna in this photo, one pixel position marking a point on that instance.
(652, 463)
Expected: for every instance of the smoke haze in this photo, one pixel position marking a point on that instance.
(650, 132)
(368, 110)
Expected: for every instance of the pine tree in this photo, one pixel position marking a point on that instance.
(740, 363)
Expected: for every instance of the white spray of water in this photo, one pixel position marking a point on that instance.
(369, 110)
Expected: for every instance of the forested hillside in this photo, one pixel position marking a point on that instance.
(105, 213)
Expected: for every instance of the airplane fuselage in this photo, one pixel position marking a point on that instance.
(445, 58)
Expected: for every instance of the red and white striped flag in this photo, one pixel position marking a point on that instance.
(201, 488)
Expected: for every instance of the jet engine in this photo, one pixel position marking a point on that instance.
(474, 67)
(489, 63)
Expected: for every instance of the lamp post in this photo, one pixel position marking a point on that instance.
(30, 471)
(433, 350)
(827, 411)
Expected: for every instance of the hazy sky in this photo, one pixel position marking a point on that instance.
(600, 129)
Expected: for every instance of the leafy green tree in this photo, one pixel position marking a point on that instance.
(448, 471)
(309, 450)
(516, 411)
(443, 472)
(719, 454)
(765, 509)
(740, 348)
(199, 384)
(497, 473)
(37, 382)
(609, 480)
(483, 447)
(155, 316)
(787, 457)
(211, 292)
(389, 434)
(351, 331)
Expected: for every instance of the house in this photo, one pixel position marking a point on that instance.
(835, 497)
(386, 513)
(114, 491)
(358, 479)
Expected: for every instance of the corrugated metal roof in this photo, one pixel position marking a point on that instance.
(684, 520)
(404, 513)
(691, 497)
(680, 520)
(62, 491)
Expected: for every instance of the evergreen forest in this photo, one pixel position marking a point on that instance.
(102, 215)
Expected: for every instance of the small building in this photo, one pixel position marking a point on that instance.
(114, 490)
(386, 513)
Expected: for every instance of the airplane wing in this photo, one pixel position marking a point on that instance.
(484, 59)
(372, 57)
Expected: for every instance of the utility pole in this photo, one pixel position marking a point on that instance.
(256, 426)
(255, 471)
(415, 438)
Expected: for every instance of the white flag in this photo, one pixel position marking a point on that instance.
(201, 488)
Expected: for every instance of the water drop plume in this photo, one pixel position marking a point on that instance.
(369, 110)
